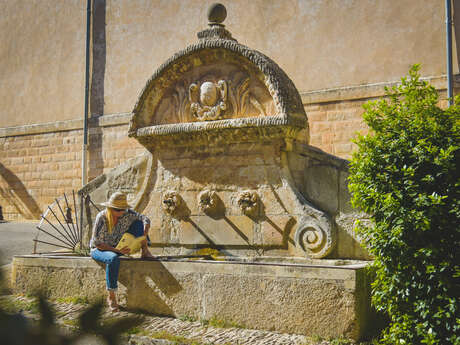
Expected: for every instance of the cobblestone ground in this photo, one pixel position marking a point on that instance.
(156, 330)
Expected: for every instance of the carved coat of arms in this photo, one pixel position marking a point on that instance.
(208, 101)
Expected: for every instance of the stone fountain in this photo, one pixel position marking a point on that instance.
(229, 169)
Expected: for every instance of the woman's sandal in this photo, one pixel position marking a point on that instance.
(113, 305)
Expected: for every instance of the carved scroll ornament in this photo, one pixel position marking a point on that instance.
(315, 239)
(209, 101)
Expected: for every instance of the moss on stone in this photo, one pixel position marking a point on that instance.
(12, 305)
(220, 323)
(139, 331)
(187, 318)
(175, 338)
(73, 300)
(71, 323)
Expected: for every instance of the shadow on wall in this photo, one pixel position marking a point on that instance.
(96, 160)
(153, 289)
(16, 195)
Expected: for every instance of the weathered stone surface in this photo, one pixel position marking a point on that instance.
(321, 185)
(166, 327)
(277, 230)
(286, 305)
(213, 60)
(131, 178)
(344, 202)
(310, 298)
(349, 244)
(79, 277)
(227, 231)
(154, 288)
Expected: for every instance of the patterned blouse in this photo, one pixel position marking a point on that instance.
(101, 233)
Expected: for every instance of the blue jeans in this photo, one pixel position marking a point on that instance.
(112, 259)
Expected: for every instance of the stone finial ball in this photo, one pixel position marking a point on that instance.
(217, 13)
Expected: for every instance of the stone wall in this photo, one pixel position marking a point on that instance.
(335, 115)
(334, 124)
(40, 163)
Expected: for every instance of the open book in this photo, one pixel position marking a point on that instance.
(133, 243)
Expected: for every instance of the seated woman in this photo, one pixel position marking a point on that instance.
(110, 225)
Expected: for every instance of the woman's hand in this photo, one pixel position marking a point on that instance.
(103, 246)
(124, 250)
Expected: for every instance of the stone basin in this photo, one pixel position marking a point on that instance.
(326, 298)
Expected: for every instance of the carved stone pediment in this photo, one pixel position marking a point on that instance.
(222, 86)
(215, 80)
(222, 91)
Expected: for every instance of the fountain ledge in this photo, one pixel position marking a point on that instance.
(327, 298)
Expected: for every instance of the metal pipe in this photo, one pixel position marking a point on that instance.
(84, 177)
(85, 116)
(449, 51)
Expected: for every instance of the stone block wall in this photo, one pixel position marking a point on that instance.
(40, 163)
(335, 115)
(334, 124)
(35, 169)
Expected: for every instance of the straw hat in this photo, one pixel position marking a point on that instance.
(117, 200)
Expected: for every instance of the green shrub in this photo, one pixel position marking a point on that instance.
(405, 175)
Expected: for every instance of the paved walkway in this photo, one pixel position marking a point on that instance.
(17, 239)
(156, 330)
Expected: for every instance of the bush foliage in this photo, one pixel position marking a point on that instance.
(405, 175)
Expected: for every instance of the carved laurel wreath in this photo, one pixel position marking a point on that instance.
(208, 101)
